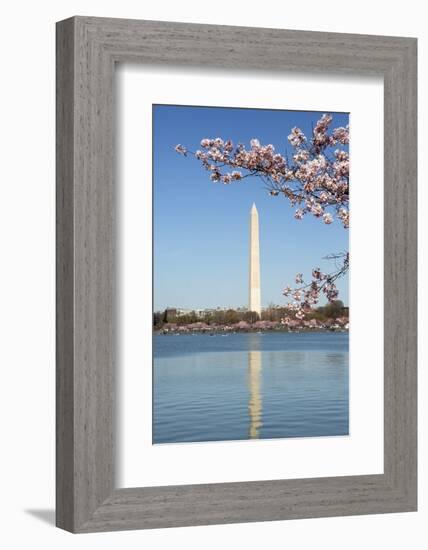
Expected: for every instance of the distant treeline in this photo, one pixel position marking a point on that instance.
(231, 316)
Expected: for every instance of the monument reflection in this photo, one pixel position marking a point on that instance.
(254, 386)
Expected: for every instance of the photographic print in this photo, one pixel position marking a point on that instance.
(250, 274)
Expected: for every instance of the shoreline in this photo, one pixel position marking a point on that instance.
(222, 331)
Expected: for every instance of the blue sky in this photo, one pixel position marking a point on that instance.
(201, 228)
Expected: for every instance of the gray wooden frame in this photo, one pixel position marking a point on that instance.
(87, 50)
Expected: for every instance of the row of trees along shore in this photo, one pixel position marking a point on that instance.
(325, 314)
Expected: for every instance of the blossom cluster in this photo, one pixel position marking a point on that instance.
(306, 295)
(315, 180)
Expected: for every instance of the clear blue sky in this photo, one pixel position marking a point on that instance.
(201, 228)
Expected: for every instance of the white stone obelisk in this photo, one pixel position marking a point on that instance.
(255, 300)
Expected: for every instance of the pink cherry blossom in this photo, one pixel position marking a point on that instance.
(181, 149)
(341, 135)
(297, 137)
(299, 278)
(316, 180)
(307, 295)
(255, 143)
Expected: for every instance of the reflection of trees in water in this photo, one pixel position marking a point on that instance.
(338, 363)
(309, 360)
(336, 359)
(255, 401)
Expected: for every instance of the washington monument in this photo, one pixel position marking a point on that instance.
(254, 298)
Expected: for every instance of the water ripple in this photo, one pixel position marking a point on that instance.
(246, 386)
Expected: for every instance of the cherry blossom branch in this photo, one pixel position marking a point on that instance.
(315, 180)
(306, 295)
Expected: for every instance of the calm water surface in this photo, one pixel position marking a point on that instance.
(249, 386)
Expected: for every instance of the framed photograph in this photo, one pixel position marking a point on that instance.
(236, 274)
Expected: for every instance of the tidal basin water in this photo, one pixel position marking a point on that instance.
(249, 386)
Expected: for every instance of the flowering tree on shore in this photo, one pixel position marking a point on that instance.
(315, 180)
